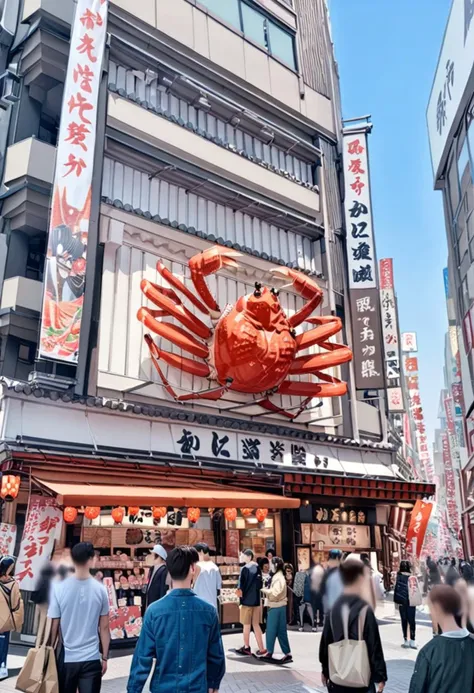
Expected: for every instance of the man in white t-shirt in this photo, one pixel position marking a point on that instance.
(79, 606)
(208, 583)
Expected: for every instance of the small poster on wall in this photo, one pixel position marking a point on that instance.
(232, 543)
(303, 558)
(346, 537)
(7, 539)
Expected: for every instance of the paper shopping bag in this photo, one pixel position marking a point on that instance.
(50, 679)
(31, 676)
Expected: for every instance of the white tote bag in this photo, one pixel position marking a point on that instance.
(349, 663)
(414, 592)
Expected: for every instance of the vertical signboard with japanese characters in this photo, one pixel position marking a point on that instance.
(43, 525)
(389, 320)
(71, 204)
(364, 295)
(417, 416)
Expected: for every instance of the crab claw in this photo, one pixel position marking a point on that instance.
(206, 263)
(306, 287)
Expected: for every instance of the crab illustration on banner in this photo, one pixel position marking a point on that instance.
(420, 516)
(66, 257)
(252, 346)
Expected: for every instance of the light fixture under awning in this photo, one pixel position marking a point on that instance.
(209, 496)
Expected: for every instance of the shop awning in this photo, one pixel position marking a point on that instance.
(214, 496)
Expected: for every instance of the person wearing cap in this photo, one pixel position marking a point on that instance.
(158, 582)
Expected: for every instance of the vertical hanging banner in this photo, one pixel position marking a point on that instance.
(362, 266)
(420, 516)
(66, 257)
(450, 485)
(409, 342)
(389, 320)
(42, 527)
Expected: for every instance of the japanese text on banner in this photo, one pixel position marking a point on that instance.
(43, 525)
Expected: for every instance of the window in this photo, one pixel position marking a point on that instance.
(256, 26)
(282, 45)
(228, 10)
(463, 160)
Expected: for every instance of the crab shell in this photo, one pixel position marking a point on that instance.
(253, 344)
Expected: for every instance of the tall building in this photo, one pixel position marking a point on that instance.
(451, 136)
(211, 134)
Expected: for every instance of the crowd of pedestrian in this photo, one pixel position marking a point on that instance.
(181, 637)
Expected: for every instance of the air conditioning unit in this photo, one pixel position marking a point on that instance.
(51, 381)
(9, 88)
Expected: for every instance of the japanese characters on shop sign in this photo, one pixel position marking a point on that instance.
(358, 213)
(42, 526)
(367, 345)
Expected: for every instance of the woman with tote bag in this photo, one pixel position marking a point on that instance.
(11, 610)
(407, 596)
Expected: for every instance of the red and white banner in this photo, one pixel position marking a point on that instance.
(43, 525)
(7, 539)
(66, 258)
(409, 342)
(420, 516)
(386, 273)
(450, 486)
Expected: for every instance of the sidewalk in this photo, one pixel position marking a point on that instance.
(248, 675)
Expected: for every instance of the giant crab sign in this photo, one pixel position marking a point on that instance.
(252, 347)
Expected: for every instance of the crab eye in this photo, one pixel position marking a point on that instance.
(258, 290)
(274, 292)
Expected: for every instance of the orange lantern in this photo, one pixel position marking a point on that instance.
(261, 514)
(133, 511)
(194, 514)
(230, 514)
(246, 512)
(91, 513)
(118, 515)
(10, 487)
(70, 515)
(159, 512)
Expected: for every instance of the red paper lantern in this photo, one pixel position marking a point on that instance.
(133, 511)
(194, 514)
(91, 513)
(118, 515)
(70, 515)
(246, 512)
(10, 487)
(159, 512)
(230, 514)
(261, 514)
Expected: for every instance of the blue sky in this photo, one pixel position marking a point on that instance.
(387, 53)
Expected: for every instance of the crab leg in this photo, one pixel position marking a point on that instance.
(307, 288)
(178, 284)
(328, 326)
(206, 263)
(174, 334)
(168, 301)
(187, 365)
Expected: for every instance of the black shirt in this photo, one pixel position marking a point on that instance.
(250, 583)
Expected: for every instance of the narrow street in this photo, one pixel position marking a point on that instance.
(248, 675)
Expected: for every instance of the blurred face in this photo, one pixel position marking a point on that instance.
(244, 558)
(266, 568)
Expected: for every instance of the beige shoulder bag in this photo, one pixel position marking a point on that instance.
(349, 663)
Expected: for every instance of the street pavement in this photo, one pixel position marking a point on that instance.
(248, 675)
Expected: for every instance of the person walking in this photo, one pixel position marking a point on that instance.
(208, 583)
(79, 606)
(316, 577)
(250, 584)
(276, 618)
(452, 574)
(331, 584)
(158, 582)
(40, 597)
(181, 632)
(446, 663)
(11, 610)
(351, 618)
(401, 597)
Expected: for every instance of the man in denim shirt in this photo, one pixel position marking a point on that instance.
(182, 633)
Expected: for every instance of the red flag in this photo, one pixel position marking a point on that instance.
(420, 516)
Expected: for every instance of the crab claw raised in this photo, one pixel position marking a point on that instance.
(306, 287)
(206, 263)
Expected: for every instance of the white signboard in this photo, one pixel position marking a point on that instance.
(390, 333)
(358, 213)
(7, 539)
(395, 399)
(452, 75)
(43, 525)
(66, 258)
(409, 342)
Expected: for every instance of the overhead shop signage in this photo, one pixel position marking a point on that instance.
(409, 342)
(344, 515)
(66, 258)
(362, 265)
(194, 442)
(416, 413)
(452, 76)
(450, 485)
(389, 320)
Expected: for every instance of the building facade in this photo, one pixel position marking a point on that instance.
(450, 128)
(218, 126)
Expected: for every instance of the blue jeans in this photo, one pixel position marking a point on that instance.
(4, 642)
(276, 628)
